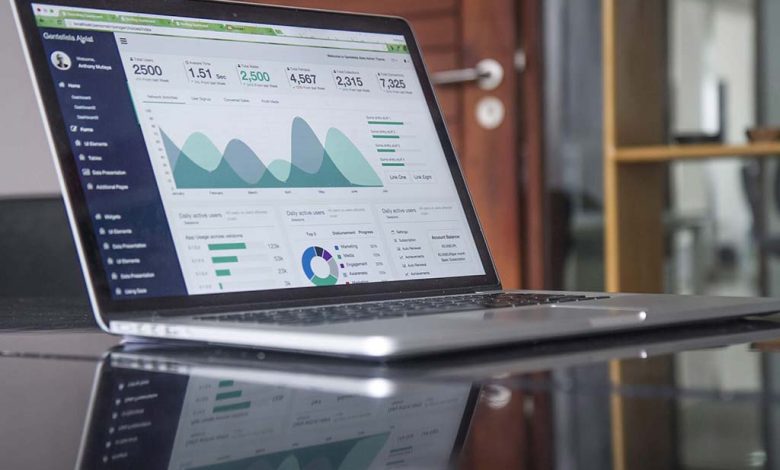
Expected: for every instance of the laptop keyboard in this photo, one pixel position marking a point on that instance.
(307, 316)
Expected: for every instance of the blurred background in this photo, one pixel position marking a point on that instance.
(608, 144)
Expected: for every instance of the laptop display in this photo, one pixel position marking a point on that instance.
(221, 156)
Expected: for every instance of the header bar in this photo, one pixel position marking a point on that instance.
(51, 16)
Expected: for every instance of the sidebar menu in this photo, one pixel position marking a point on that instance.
(127, 214)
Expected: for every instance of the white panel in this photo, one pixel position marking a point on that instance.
(24, 153)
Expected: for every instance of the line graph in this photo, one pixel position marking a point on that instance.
(199, 164)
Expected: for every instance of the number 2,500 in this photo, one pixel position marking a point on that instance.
(140, 69)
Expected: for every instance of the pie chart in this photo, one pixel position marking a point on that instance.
(320, 266)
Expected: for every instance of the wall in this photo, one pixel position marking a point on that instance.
(25, 150)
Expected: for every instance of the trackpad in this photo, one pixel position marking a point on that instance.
(600, 317)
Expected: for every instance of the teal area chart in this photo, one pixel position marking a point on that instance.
(315, 252)
(352, 454)
(199, 164)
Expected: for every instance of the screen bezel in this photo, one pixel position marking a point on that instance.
(251, 13)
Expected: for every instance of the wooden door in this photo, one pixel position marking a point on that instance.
(455, 34)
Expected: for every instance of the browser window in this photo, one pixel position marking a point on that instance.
(230, 157)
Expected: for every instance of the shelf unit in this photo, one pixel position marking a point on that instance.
(635, 74)
(635, 71)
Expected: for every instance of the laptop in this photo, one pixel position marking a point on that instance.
(151, 412)
(282, 178)
(483, 366)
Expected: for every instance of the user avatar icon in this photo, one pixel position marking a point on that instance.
(61, 60)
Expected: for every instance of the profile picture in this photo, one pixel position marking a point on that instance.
(61, 60)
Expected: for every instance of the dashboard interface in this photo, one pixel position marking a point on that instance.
(221, 156)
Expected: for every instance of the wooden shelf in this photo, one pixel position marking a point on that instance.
(665, 153)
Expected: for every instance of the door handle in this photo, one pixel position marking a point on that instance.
(487, 74)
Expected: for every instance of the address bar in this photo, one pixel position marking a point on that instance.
(288, 40)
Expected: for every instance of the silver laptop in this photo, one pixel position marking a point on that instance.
(282, 178)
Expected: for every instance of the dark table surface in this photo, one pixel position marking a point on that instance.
(697, 397)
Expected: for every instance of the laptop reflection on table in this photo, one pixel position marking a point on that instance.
(179, 407)
(151, 412)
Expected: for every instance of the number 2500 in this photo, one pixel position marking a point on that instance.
(139, 69)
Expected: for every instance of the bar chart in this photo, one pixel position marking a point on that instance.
(245, 265)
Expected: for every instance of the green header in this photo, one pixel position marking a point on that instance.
(59, 21)
(50, 22)
(400, 48)
(87, 15)
(246, 29)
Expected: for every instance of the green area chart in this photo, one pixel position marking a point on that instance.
(352, 454)
(199, 164)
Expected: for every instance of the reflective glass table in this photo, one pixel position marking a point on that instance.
(696, 397)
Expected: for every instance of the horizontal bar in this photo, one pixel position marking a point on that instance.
(227, 246)
(228, 395)
(663, 153)
(387, 123)
(385, 150)
(234, 407)
(224, 259)
(223, 272)
(225, 383)
(382, 136)
(393, 164)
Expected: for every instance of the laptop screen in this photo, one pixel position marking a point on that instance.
(219, 156)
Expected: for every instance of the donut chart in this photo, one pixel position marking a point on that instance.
(309, 255)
